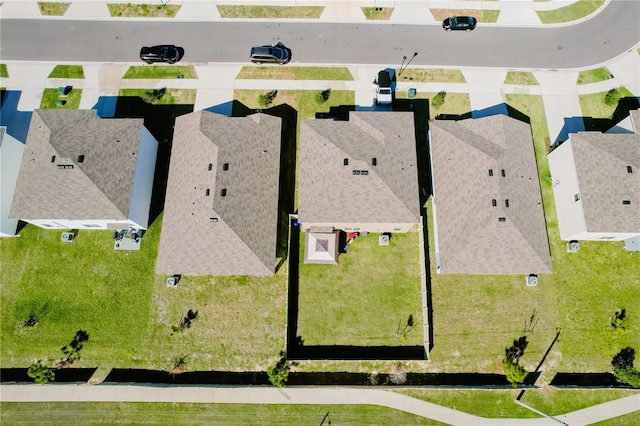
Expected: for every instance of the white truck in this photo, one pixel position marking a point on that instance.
(384, 92)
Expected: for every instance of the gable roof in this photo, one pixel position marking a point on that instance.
(474, 236)
(601, 162)
(215, 234)
(55, 183)
(331, 192)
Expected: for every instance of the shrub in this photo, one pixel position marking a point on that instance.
(322, 97)
(154, 95)
(41, 373)
(398, 376)
(279, 373)
(618, 319)
(623, 368)
(612, 97)
(438, 100)
(266, 99)
(514, 372)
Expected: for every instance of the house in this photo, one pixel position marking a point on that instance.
(221, 206)
(487, 204)
(359, 175)
(596, 183)
(11, 151)
(79, 171)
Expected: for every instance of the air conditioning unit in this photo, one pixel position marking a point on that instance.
(573, 246)
(532, 280)
(172, 281)
(383, 240)
(67, 237)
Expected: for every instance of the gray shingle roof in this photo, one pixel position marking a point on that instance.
(242, 241)
(99, 187)
(601, 165)
(330, 192)
(471, 236)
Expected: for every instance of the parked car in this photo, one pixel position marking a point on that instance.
(459, 23)
(384, 92)
(161, 53)
(272, 54)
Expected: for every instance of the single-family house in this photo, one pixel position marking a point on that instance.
(79, 171)
(596, 183)
(221, 206)
(487, 204)
(11, 151)
(359, 175)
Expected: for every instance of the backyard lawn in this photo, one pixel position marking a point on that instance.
(367, 299)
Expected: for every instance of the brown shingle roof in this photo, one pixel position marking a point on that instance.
(601, 165)
(242, 241)
(471, 236)
(99, 187)
(330, 192)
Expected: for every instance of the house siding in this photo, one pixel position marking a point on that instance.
(10, 155)
(143, 181)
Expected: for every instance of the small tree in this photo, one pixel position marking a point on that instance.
(515, 373)
(322, 97)
(185, 322)
(178, 365)
(40, 373)
(398, 376)
(438, 100)
(612, 97)
(71, 352)
(266, 99)
(623, 368)
(618, 319)
(279, 373)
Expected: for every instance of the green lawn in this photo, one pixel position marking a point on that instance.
(171, 96)
(377, 13)
(454, 104)
(441, 75)
(50, 96)
(594, 75)
(53, 8)
(500, 403)
(520, 77)
(4, 73)
(625, 420)
(67, 71)
(270, 12)
(343, 305)
(294, 73)
(593, 104)
(569, 13)
(160, 72)
(143, 10)
(128, 311)
(212, 414)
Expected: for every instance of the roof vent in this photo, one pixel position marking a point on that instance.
(506, 203)
(345, 162)
(374, 161)
(225, 166)
(213, 219)
(206, 192)
(490, 172)
(494, 203)
(355, 172)
(502, 219)
(53, 158)
(503, 173)
(210, 167)
(223, 192)
(80, 158)
(364, 172)
(626, 202)
(629, 169)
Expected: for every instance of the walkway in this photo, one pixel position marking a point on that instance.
(319, 395)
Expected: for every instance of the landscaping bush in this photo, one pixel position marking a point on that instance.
(265, 99)
(438, 100)
(279, 373)
(322, 97)
(512, 369)
(623, 368)
(154, 95)
(41, 373)
(612, 97)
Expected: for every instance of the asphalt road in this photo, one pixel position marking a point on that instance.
(610, 33)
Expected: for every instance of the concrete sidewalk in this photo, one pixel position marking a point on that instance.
(512, 12)
(293, 395)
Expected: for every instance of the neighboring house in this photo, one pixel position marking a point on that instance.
(79, 171)
(359, 175)
(487, 204)
(596, 183)
(10, 154)
(221, 207)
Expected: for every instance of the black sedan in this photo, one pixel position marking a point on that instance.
(162, 53)
(275, 54)
(459, 23)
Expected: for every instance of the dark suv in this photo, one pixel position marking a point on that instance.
(162, 53)
(276, 54)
